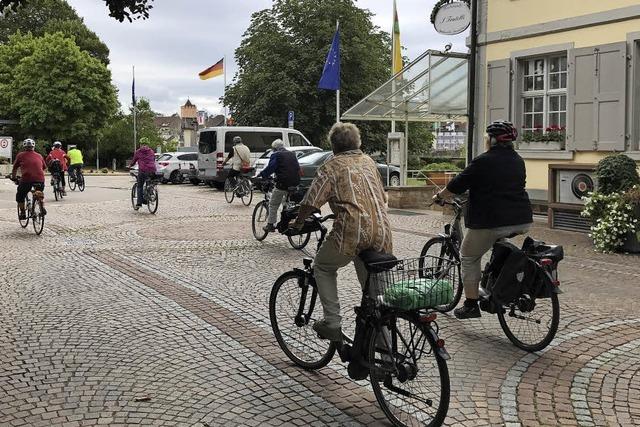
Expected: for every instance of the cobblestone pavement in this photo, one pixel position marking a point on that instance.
(116, 317)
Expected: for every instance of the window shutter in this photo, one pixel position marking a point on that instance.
(498, 90)
(596, 98)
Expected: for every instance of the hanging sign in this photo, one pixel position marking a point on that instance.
(451, 17)
(6, 145)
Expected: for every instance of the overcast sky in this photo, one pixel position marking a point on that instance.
(182, 38)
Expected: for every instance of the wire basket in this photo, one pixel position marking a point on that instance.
(414, 283)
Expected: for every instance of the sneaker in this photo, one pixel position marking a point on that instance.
(269, 228)
(327, 332)
(137, 206)
(43, 211)
(467, 311)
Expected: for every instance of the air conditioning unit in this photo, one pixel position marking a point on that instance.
(568, 183)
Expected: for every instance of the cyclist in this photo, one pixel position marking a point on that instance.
(350, 182)
(32, 167)
(57, 153)
(146, 160)
(498, 206)
(285, 165)
(241, 159)
(74, 155)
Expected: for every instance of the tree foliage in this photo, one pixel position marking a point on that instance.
(49, 16)
(281, 58)
(53, 89)
(118, 9)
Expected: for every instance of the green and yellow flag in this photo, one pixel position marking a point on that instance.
(396, 60)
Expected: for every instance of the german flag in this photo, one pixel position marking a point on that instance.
(214, 71)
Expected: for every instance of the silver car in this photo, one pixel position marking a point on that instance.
(300, 152)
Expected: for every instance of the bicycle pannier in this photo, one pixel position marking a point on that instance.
(515, 273)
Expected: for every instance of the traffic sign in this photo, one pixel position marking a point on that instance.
(290, 119)
(6, 145)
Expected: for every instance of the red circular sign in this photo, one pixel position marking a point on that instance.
(4, 143)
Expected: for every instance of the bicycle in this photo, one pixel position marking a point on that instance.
(149, 191)
(56, 183)
(289, 212)
(77, 179)
(239, 186)
(396, 346)
(34, 209)
(537, 305)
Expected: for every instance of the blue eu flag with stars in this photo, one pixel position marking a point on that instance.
(331, 73)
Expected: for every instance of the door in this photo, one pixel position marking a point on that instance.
(207, 148)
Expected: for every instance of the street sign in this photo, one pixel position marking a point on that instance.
(6, 145)
(452, 18)
(290, 119)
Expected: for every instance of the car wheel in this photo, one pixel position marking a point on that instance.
(176, 177)
(194, 181)
(394, 180)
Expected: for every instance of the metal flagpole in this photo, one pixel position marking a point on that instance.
(224, 89)
(338, 91)
(135, 140)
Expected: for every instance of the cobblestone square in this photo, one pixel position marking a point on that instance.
(115, 317)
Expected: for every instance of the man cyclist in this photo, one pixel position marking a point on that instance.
(146, 160)
(32, 167)
(240, 157)
(74, 155)
(57, 153)
(284, 164)
(351, 184)
(498, 206)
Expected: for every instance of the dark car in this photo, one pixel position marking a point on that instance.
(310, 163)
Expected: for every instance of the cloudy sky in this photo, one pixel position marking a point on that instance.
(182, 38)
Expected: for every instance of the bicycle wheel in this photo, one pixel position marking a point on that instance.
(38, 216)
(531, 330)
(411, 384)
(56, 191)
(134, 195)
(80, 180)
(441, 260)
(72, 184)
(295, 334)
(152, 198)
(259, 220)
(299, 241)
(229, 191)
(27, 205)
(247, 192)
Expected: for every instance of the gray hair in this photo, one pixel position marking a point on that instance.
(277, 143)
(344, 137)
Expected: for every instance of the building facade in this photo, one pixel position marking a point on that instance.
(567, 73)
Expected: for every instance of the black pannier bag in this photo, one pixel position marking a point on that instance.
(288, 216)
(513, 272)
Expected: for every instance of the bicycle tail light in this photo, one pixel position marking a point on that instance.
(219, 160)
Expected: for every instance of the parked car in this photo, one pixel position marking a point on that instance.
(174, 166)
(310, 163)
(215, 144)
(134, 169)
(263, 161)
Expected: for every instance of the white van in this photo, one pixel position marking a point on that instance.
(216, 143)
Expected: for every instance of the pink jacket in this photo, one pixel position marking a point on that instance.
(146, 159)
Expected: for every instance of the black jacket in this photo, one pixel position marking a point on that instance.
(284, 164)
(496, 184)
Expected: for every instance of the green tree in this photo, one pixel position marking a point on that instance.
(53, 89)
(49, 16)
(281, 58)
(118, 9)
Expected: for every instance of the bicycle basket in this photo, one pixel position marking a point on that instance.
(407, 286)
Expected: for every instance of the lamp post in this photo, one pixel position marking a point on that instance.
(471, 101)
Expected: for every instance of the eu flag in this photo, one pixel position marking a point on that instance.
(331, 73)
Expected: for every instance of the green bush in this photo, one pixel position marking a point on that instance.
(104, 170)
(4, 160)
(444, 166)
(616, 173)
(461, 164)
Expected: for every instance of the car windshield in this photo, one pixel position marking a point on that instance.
(165, 157)
(266, 154)
(313, 157)
(303, 153)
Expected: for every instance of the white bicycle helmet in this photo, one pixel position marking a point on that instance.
(57, 144)
(29, 143)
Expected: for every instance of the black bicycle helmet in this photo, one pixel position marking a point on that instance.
(502, 131)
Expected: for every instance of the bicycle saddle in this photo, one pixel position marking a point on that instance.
(376, 262)
(538, 249)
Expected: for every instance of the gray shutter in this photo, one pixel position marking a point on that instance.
(498, 90)
(596, 98)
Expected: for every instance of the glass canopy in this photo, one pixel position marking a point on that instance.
(431, 88)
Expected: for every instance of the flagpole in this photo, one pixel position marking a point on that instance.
(338, 91)
(224, 89)
(134, 111)
(393, 56)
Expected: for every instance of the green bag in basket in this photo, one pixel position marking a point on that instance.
(418, 293)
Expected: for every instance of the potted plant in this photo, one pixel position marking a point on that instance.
(551, 138)
(439, 173)
(615, 207)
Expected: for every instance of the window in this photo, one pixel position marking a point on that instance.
(188, 157)
(544, 93)
(296, 140)
(207, 142)
(257, 142)
(165, 157)
(315, 157)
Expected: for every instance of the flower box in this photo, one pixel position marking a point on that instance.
(541, 145)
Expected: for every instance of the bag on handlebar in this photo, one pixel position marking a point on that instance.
(513, 272)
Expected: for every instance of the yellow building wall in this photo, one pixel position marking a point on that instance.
(538, 170)
(507, 14)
